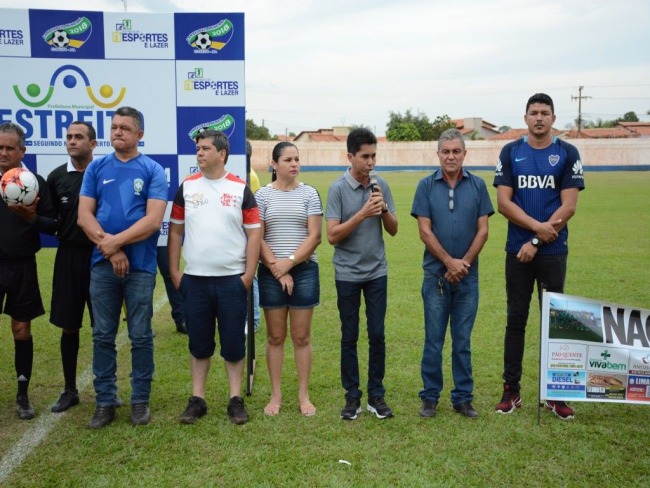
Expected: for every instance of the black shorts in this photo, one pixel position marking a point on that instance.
(19, 284)
(70, 285)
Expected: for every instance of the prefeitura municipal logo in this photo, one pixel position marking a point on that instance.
(69, 74)
(211, 39)
(69, 37)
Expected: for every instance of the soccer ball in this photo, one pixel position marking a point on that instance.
(203, 40)
(19, 185)
(60, 38)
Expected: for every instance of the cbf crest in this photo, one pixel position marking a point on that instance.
(553, 159)
(138, 185)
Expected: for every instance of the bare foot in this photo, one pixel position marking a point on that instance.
(272, 409)
(307, 409)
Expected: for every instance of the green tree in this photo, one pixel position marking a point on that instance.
(629, 117)
(257, 132)
(504, 128)
(601, 124)
(403, 131)
(420, 121)
(441, 124)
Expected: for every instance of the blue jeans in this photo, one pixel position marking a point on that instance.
(349, 302)
(456, 305)
(174, 297)
(107, 292)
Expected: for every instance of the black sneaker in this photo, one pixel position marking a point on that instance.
(24, 410)
(466, 410)
(181, 328)
(196, 408)
(236, 411)
(352, 409)
(428, 409)
(104, 415)
(140, 414)
(378, 406)
(69, 398)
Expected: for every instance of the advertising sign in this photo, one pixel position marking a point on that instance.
(594, 351)
(182, 71)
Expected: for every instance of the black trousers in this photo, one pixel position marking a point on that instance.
(547, 271)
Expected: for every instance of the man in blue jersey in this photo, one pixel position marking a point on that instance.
(538, 179)
(121, 207)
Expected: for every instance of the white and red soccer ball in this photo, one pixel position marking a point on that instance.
(19, 185)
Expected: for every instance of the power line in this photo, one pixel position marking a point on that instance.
(613, 86)
(580, 97)
(621, 98)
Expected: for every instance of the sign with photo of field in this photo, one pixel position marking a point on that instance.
(594, 351)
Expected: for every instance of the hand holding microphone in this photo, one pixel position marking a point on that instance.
(374, 185)
(376, 196)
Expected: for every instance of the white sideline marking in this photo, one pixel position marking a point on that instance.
(44, 423)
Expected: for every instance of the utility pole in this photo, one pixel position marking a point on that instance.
(124, 2)
(580, 97)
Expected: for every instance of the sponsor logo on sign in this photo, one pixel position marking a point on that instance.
(69, 37)
(211, 39)
(225, 124)
(124, 33)
(196, 81)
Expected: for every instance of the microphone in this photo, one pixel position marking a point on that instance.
(374, 185)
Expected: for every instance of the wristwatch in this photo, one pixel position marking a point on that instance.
(384, 209)
(292, 258)
(536, 242)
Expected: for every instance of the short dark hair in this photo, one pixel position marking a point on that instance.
(92, 134)
(450, 135)
(218, 138)
(11, 128)
(359, 137)
(540, 98)
(133, 113)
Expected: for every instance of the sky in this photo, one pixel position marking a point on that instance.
(314, 64)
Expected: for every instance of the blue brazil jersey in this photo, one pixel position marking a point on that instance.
(121, 191)
(537, 177)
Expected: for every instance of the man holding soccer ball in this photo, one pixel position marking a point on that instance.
(20, 295)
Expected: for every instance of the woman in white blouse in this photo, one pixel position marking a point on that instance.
(291, 213)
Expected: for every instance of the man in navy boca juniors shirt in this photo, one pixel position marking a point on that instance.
(538, 179)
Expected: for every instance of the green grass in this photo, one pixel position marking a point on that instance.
(604, 445)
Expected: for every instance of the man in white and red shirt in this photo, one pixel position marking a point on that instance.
(218, 215)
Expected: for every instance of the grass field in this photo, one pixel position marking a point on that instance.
(605, 444)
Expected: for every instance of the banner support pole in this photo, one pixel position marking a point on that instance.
(539, 383)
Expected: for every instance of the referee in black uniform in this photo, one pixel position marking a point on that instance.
(71, 277)
(20, 295)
